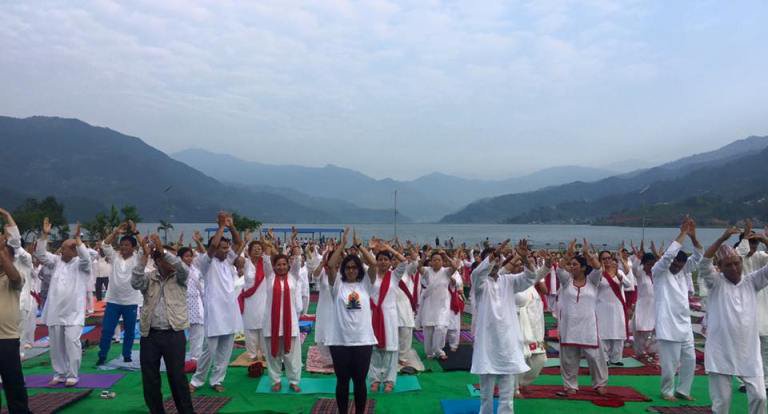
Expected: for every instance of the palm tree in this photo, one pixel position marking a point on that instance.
(164, 227)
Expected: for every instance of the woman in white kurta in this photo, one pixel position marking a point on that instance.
(577, 323)
(498, 355)
(530, 311)
(22, 261)
(324, 308)
(384, 314)
(612, 322)
(435, 309)
(64, 309)
(283, 346)
(195, 308)
(254, 295)
(453, 336)
(405, 316)
(733, 345)
(644, 318)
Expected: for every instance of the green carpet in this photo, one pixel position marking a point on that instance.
(435, 386)
(628, 363)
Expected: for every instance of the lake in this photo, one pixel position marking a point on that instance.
(541, 235)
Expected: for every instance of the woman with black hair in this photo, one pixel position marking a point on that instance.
(613, 308)
(194, 304)
(351, 339)
(435, 309)
(578, 320)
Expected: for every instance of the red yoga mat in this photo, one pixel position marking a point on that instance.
(616, 396)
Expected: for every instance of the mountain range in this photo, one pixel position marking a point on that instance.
(721, 174)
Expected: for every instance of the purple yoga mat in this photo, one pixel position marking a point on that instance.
(86, 381)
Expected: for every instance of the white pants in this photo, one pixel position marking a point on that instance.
(383, 366)
(644, 342)
(89, 301)
(536, 362)
(305, 305)
(27, 326)
(66, 351)
(764, 354)
(291, 360)
(404, 340)
(569, 366)
(452, 337)
(216, 350)
(613, 349)
(675, 355)
(721, 388)
(196, 340)
(254, 342)
(506, 384)
(434, 340)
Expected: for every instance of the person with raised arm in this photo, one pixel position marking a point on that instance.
(435, 309)
(122, 299)
(351, 339)
(222, 314)
(580, 276)
(732, 344)
(257, 267)
(752, 259)
(644, 319)
(407, 302)
(22, 260)
(64, 310)
(11, 285)
(195, 308)
(612, 309)
(383, 311)
(497, 356)
(281, 324)
(323, 323)
(164, 318)
(674, 333)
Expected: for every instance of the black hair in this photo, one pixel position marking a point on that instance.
(648, 258)
(130, 239)
(279, 256)
(253, 243)
(183, 251)
(486, 252)
(223, 239)
(681, 256)
(360, 269)
(583, 263)
(384, 253)
(599, 255)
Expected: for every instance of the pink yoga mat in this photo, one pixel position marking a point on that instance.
(86, 381)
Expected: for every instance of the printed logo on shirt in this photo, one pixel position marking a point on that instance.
(353, 301)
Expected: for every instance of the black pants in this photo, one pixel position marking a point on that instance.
(13, 378)
(351, 362)
(102, 283)
(170, 346)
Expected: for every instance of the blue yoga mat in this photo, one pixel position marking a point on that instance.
(404, 383)
(464, 406)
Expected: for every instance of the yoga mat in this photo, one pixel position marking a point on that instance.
(328, 406)
(464, 336)
(684, 409)
(306, 326)
(328, 386)
(628, 363)
(201, 405)
(461, 360)
(86, 381)
(52, 402)
(464, 406)
(616, 396)
(243, 360)
(134, 365)
(45, 341)
(317, 362)
(34, 352)
(412, 360)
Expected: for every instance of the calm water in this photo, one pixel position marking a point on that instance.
(540, 235)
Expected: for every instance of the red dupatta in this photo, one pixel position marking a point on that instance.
(247, 293)
(617, 291)
(286, 306)
(377, 314)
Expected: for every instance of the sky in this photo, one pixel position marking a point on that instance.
(481, 89)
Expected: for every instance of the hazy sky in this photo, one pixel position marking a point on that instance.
(399, 89)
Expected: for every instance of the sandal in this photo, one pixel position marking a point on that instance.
(375, 387)
(294, 387)
(388, 387)
(218, 388)
(277, 387)
(566, 393)
(107, 395)
(601, 391)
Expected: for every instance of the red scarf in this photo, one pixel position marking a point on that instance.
(617, 291)
(416, 285)
(286, 301)
(550, 290)
(457, 305)
(467, 276)
(407, 292)
(377, 315)
(247, 293)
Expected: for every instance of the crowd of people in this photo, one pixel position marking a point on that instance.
(372, 295)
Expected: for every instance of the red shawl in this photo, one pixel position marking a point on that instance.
(286, 305)
(457, 305)
(617, 291)
(247, 293)
(377, 314)
(411, 297)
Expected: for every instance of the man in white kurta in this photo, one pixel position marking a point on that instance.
(64, 310)
(674, 333)
(753, 259)
(222, 313)
(733, 344)
(22, 261)
(498, 355)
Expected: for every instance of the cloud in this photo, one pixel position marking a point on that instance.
(428, 85)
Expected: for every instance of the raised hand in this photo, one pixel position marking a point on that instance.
(196, 236)
(47, 226)
(571, 250)
(77, 233)
(344, 237)
(747, 227)
(730, 231)
(221, 219)
(132, 227)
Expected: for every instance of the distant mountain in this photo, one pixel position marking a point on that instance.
(425, 199)
(90, 168)
(575, 202)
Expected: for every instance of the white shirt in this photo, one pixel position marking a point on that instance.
(405, 316)
(119, 290)
(610, 312)
(351, 314)
(255, 308)
(222, 313)
(673, 315)
(389, 305)
(294, 283)
(749, 264)
(65, 304)
(498, 347)
(22, 261)
(435, 308)
(576, 309)
(733, 344)
(530, 312)
(323, 322)
(645, 308)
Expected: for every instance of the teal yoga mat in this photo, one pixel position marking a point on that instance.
(628, 363)
(404, 383)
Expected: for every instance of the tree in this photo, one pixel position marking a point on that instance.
(244, 223)
(30, 214)
(130, 212)
(164, 227)
(103, 223)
